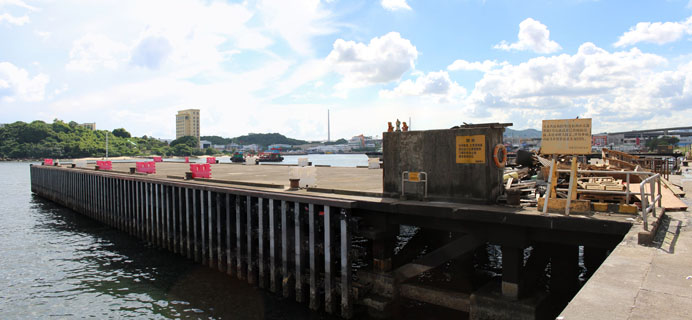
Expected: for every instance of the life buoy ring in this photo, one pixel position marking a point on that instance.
(498, 163)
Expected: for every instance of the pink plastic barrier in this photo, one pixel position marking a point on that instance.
(211, 160)
(158, 159)
(202, 170)
(146, 167)
(47, 162)
(187, 159)
(104, 165)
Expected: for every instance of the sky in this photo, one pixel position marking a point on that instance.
(279, 65)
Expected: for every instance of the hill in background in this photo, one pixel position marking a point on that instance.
(262, 139)
(524, 134)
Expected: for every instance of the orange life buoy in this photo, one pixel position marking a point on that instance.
(498, 163)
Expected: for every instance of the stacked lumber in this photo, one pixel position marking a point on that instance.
(602, 183)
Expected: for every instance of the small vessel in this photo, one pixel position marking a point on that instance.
(238, 157)
(270, 157)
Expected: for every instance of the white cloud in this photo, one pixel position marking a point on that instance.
(16, 3)
(437, 85)
(44, 35)
(16, 84)
(395, 5)
(485, 66)
(383, 60)
(534, 36)
(18, 21)
(656, 32)
(95, 51)
(619, 89)
(297, 22)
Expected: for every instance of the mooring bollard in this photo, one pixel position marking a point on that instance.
(133, 170)
(74, 165)
(295, 184)
(97, 168)
(188, 175)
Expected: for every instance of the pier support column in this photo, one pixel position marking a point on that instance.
(512, 264)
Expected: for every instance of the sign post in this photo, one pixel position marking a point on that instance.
(569, 136)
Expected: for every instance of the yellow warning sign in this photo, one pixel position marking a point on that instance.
(571, 136)
(471, 149)
(413, 177)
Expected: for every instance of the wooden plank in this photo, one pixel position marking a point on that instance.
(668, 199)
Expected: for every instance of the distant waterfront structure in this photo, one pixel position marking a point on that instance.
(88, 125)
(187, 123)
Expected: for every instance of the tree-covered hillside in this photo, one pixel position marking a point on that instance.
(262, 139)
(39, 139)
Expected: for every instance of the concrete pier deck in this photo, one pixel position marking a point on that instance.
(643, 282)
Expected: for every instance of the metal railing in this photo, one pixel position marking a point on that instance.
(417, 177)
(649, 204)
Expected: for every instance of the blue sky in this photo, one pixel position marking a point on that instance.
(278, 65)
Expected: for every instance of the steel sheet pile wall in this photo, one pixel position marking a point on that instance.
(286, 245)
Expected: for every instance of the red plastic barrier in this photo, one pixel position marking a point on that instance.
(202, 170)
(47, 162)
(146, 167)
(104, 165)
(187, 159)
(158, 159)
(211, 160)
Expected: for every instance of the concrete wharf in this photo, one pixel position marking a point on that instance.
(246, 222)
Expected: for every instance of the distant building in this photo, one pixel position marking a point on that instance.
(203, 144)
(2, 124)
(233, 146)
(251, 147)
(187, 123)
(88, 125)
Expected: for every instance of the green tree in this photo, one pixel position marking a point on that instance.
(210, 151)
(652, 144)
(187, 140)
(181, 149)
(121, 133)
